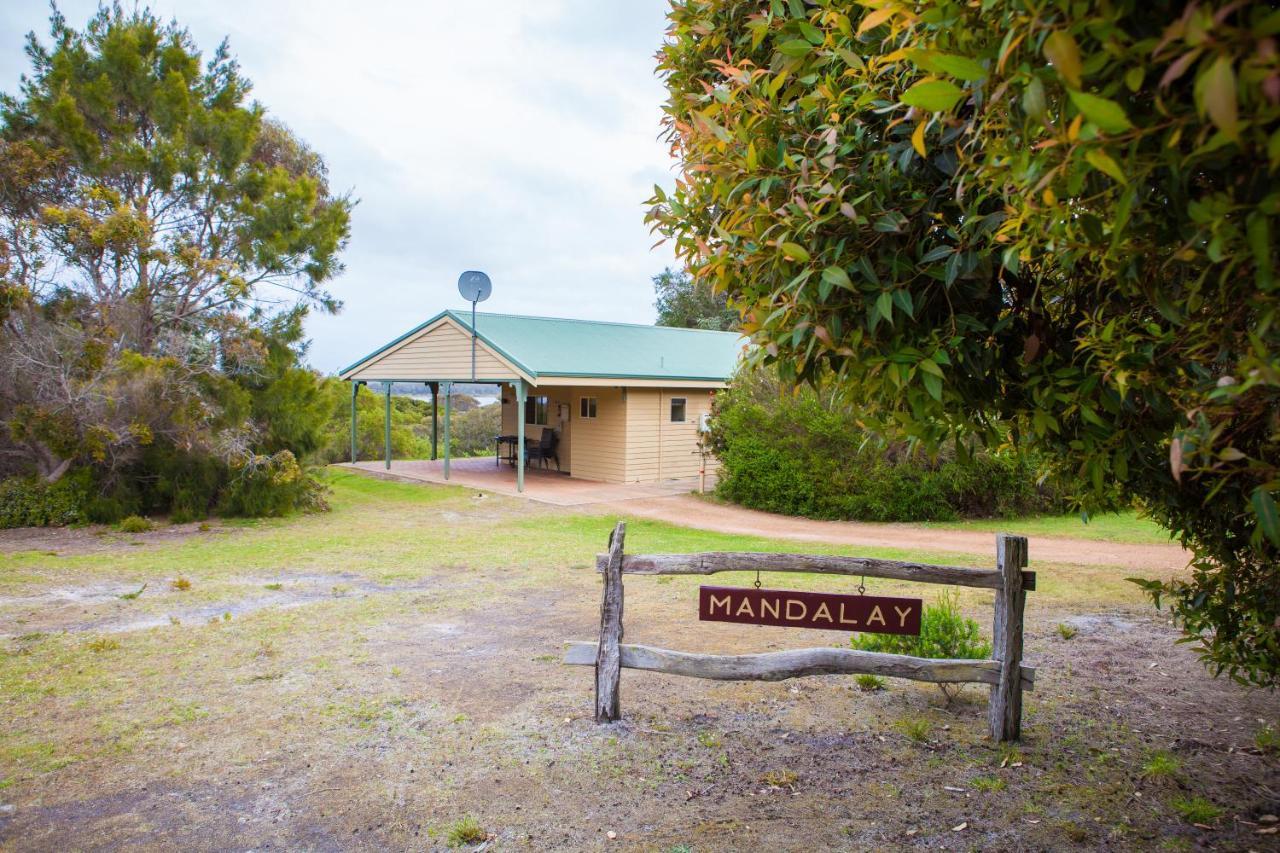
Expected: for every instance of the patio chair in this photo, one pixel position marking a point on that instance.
(545, 449)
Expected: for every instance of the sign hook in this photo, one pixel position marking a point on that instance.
(862, 586)
(757, 579)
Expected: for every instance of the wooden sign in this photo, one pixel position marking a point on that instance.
(872, 614)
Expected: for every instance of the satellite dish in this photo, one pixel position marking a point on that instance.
(474, 286)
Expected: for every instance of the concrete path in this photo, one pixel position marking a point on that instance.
(544, 485)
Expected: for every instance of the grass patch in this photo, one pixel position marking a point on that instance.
(464, 831)
(1196, 810)
(102, 644)
(180, 584)
(780, 778)
(1066, 631)
(917, 730)
(1161, 765)
(1267, 739)
(709, 739)
(1125, 527)
(988, 783)
(868, 683)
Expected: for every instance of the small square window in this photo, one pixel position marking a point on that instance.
(535, 411)
(587, 407)
(677, 410)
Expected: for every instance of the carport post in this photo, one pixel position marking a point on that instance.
(448, 410)
(435, 416)
(355, 389)
(388, 436)
(520, 395)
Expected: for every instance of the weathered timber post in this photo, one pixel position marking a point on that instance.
(609, 652)
(1005, 711)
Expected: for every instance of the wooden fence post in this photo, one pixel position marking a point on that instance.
(1005, 711)
(609, 653)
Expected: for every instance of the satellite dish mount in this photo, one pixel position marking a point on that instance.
(475, 287)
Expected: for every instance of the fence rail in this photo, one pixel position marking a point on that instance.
(1005, 673)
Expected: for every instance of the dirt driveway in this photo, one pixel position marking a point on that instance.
(692, 511)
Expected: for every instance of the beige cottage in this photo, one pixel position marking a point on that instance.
(626, 402)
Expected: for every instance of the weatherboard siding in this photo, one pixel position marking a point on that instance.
(658, 449)
(599, 443)
(441, 352)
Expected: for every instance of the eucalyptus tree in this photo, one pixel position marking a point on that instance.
(1049, 224)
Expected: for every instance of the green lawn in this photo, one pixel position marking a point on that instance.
(1112, 527)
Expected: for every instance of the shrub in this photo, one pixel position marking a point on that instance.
(31, 502)
(944, 633)
(135, 524)
(801, 452)
(271, 486)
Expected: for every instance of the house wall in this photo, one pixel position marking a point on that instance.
(631, 439)
(657, 448)
(441, 352)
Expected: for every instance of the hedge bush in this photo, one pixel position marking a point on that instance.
(802, 453)
(31, 502)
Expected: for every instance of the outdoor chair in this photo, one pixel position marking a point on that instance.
(545, 449)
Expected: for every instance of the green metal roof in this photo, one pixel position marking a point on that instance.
(550, 346)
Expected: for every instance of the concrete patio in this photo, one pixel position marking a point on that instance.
(540, 484)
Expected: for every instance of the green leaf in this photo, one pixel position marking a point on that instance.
(933, 95)
(960, 67)
(1061, 51)
(795, 48)
(1215, 94)
(1264, 506)
(810, 32)
(1106, 114)
(1102, 161)
(1033, 100)
(795, 252)
(884, 304)
(932, 384)
(838, 277)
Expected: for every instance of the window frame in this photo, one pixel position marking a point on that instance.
(531, 404)
(589, 408)
(684, 410)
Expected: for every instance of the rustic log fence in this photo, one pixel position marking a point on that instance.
(1006, 673)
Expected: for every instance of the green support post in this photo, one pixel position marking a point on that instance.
(355, 389)
(435, 417)
(388, 384)
(448, 410)
(520, 396)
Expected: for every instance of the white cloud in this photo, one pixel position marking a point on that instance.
(515, 137)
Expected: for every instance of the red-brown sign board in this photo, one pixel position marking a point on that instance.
(874, 614)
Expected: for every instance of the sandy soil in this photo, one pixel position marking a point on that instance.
(702, 514)
(428, 713)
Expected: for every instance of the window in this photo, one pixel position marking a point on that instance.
(535, 411)
(677, 410)
(587, 407)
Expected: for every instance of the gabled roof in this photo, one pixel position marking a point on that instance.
(550, 346)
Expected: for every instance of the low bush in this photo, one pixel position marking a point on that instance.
(134, 524)
(271, 486)
(31, 502)
(944, 633)
(801, 452)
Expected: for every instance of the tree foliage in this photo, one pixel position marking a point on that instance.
(161, 240)
(1051, 222)
(687, 303)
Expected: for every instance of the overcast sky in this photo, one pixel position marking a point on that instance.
(518, 137)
